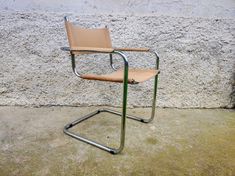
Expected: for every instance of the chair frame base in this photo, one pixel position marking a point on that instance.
(123, 115)
(94, 143)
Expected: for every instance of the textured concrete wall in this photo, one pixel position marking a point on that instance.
(195, 40)
(197, 60)
(185, 8)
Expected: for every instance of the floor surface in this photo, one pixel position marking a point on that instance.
(177, 142)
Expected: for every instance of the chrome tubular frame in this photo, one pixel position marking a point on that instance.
(123, 114)
(124, 107)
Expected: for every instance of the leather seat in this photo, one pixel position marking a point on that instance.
(135, 76)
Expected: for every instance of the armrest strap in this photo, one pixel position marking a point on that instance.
(133, 49)
(91, 49)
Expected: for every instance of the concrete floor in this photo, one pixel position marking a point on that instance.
(177, 142)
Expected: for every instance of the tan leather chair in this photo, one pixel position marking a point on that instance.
(86, 41)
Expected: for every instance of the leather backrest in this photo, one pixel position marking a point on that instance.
(80, 37)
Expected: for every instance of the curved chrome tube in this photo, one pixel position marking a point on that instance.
(111, 62)
(150, 51)
(124, 103)
(66, 18)
(123, 57)
(157, 58)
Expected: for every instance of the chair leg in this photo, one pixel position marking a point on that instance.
(153, 103)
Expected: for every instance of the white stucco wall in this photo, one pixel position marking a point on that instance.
(195, 39)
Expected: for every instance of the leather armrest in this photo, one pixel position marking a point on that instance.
(133, 49)
(91, 50)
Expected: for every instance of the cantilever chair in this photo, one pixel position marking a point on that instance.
(86, 41)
